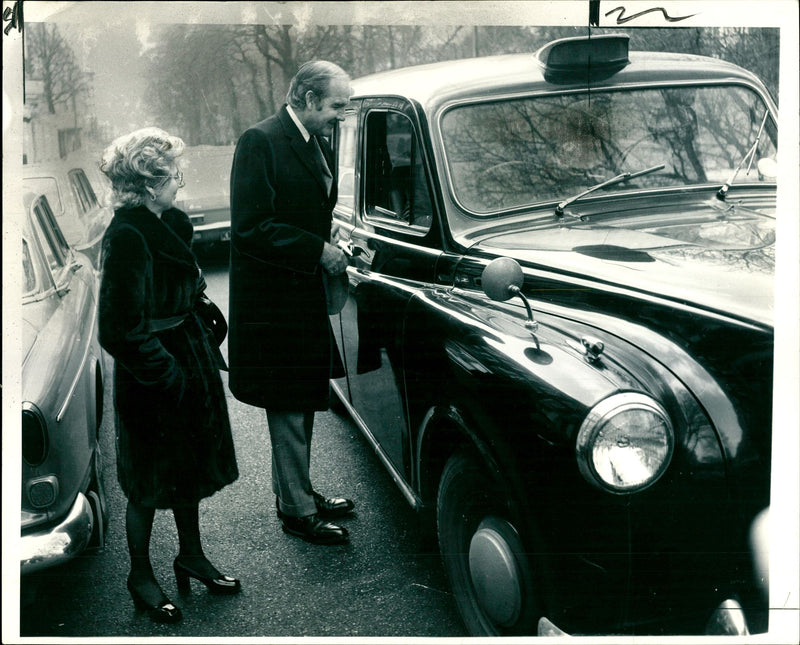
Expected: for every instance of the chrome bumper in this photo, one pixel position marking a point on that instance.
(60, 543)
(727, 620)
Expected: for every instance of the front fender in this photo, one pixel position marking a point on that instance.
(484, 384)
(474, 377)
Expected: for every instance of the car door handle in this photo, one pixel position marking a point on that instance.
(350, 250)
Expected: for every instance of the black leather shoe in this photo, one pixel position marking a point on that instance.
(163, 612)
(332, 507)
(312, 528)
(328, 508)
(221, 585)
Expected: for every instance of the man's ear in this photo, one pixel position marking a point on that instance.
(311, 99)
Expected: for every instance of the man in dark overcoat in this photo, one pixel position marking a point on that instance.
(281, 348)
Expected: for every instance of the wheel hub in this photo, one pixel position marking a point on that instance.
(495, 571)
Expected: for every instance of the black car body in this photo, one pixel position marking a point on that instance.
(559, 333)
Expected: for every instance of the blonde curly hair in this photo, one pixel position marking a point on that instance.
(142, 159)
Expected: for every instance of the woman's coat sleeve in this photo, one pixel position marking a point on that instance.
(124, 316)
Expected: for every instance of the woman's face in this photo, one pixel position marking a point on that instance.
(165, 193)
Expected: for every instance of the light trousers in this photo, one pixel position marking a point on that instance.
(290, 436)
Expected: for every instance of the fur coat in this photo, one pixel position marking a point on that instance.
(174, 443)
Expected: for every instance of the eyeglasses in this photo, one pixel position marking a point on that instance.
(177, 177)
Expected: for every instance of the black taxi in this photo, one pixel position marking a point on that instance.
(559, 329)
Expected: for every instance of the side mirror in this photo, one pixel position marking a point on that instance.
(502, 279)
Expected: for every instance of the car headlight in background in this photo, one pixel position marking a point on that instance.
(625, 443)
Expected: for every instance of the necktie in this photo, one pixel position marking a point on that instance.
(323, 165)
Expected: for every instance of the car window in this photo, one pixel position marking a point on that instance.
(84, 195)
(396, 186)
(522, 151)
(28, 272)
(46, 186)
(55, 247)
(346, 138)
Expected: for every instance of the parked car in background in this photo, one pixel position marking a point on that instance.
(559, 331)
(206, 196)
(76, 191)
(63, 505)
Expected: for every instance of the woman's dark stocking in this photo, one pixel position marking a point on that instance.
(187, 520)
(139, 527)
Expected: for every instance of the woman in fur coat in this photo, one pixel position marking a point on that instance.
(173, 435)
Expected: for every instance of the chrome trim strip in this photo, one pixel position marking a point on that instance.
(550, 308)
(416, 248)
(38, 296)
(407, 491)
(68, 399)
(212, 226)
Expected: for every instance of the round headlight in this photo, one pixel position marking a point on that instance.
(625, 443)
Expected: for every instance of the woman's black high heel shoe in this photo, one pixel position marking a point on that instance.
(223, 585)
(164, 612)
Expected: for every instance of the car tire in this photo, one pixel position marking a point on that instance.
(483, 554)
(96, 494)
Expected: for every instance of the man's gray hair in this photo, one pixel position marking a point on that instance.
(314, 76)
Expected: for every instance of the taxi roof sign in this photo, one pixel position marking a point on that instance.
(584, 58)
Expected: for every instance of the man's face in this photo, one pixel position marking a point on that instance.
(321, 115)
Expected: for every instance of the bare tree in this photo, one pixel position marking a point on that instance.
(276, 45)
(244, 53)
(50, 59)
(213, 80)
(754, 49)
(204, 83)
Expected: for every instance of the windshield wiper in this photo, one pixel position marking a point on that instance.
(751, 154)
(625, 176)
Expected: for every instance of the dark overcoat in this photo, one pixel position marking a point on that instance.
(281, 350)
(174, 444)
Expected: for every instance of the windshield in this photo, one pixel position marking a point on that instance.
(514, 153)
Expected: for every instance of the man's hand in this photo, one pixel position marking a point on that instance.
(333, 259)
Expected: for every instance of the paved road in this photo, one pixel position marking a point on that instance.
(388, 582)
